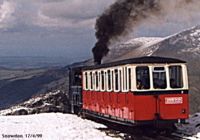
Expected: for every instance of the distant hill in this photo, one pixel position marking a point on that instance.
(19, 85)
(184, 45)
(27, 62)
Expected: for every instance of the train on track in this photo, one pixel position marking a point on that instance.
(137, 91)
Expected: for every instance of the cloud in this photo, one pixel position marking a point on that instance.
(49, 13)
(174, 16)
(49, 27)
(76, 13)
(47, 21)
(6, 11)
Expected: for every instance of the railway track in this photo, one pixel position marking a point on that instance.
(143, 132)
(144, 136)
(184, 136)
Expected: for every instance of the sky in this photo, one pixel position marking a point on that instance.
(66, 28)
(49, 27)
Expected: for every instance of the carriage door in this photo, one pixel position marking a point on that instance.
(160, 83)
(75, 89)
(173, 105)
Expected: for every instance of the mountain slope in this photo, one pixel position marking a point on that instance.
(137, 44)
(19, 85)
(184, 45)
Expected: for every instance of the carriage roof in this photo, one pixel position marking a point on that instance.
(139, 60)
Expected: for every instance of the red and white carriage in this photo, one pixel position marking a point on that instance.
(133, 91)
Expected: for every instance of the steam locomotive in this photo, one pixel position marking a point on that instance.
(137, 91)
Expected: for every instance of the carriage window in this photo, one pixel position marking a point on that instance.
(120, 74)
(97, 80)
(159, 78)
(142, 75)
(91, 81)
(102, 81)
(109, 79)
(112, 80)
(77, 79)
(129, 78)
(176, 77)
(86, 81)
(116, 77)
(94, 80)
(125, 82)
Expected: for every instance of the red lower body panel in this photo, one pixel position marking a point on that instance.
(137, 107)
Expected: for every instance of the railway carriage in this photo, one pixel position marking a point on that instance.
(135, 91)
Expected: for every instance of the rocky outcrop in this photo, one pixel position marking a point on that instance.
(51, 102)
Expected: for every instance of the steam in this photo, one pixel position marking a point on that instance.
(125, 16)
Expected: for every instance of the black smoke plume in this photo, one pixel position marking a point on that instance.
(115, 20)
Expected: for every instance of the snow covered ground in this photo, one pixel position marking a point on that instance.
(51, 126)
(58, 126)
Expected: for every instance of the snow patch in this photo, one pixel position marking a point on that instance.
(13, 109)
(53, 126)
(192, 50)
(196, 33)
(34, 100)
(147, 41)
